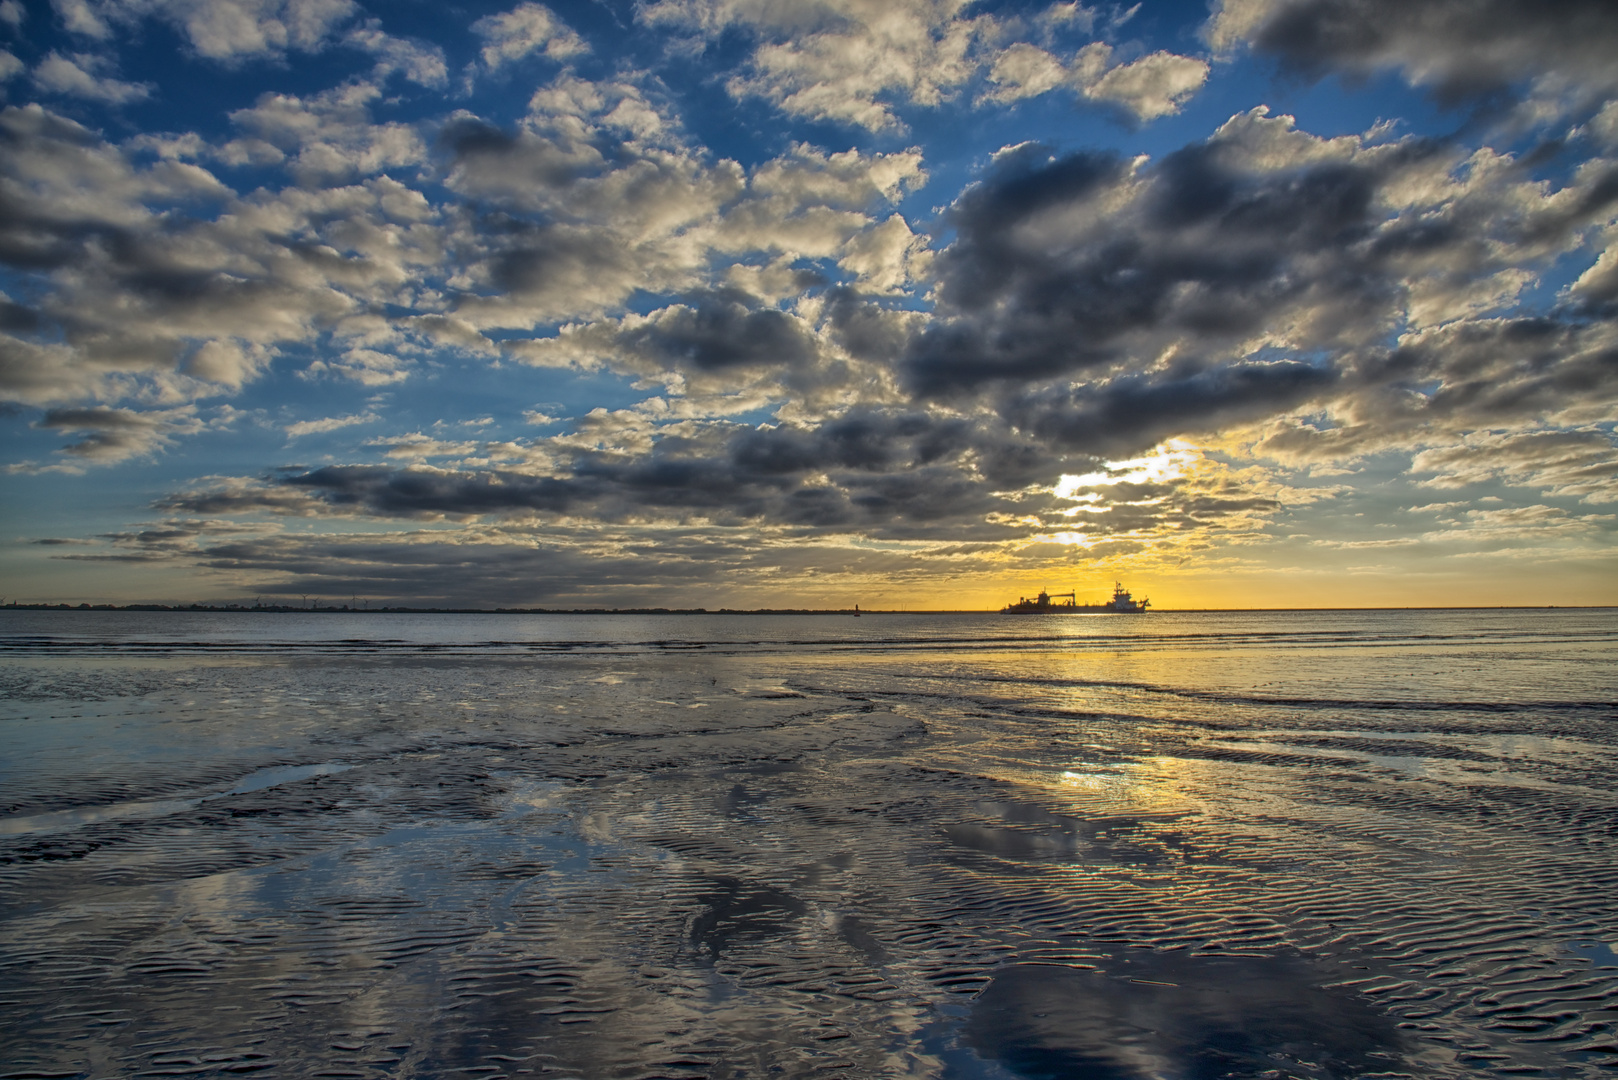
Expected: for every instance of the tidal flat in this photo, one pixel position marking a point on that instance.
(1180, 845)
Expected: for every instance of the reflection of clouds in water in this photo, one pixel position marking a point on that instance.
(1601, 954)
(595, 828)
(1161, 1015)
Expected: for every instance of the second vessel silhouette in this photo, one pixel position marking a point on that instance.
(1044, 604)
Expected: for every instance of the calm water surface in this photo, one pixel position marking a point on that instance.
(1288, 844)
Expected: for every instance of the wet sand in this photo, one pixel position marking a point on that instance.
(1199, 846)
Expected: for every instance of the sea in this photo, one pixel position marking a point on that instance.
(1177, 846)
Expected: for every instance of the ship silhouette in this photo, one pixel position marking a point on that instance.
(1047, 604)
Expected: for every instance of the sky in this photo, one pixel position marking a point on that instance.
(920, 304)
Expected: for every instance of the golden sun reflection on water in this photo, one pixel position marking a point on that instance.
(1149, 785)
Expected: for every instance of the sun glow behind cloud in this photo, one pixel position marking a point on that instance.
(1170, 461)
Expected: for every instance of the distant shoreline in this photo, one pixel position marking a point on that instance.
(285, 609)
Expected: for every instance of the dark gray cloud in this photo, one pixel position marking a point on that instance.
(1499, 371)
(1064, 266)
(17, 317)
(1462, 49)
(1441, 384)
(531, 258)
(719, 330)
(1131, 413)
(885, 472)
(908, 476)
(865, 328)
(114, 434)
(1104, 306)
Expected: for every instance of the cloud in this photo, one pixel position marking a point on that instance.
(1523, 532)
(572, 567)
(882, 472)
(82, 17)
(114, 435)
(1580, 464)
(873, 496)
(76, 76)
(421, 64)
(854, 62)
(727, 351)
(1463, 50)
(1125, 415)
(326, 424)
(226, 30)
(1146, 88)
(419, 447)
(579, 211)
(718, 332)
(1441, 385)
(1022, 70)
(235, 31)
(324, 138)
(565, 230)
(368, 367)
(886, 257)
(526, 29)
(1258, 271)
(890, 474)
(839, 60)
(158, 281)
(227, 362)
(1596, 290)
(1153, 86)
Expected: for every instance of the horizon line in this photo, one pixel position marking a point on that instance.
(400, 609)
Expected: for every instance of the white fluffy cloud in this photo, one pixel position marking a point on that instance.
(77, 76)
(165, 285)
(526, 29)
(422, 64)
(1146, 88)
(587, 228)
(1153, 86)
(841, 60)
(237, 31)
(325, 138)
(217, 29)
(854, 61)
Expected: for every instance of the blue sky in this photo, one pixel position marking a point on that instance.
(808, 302)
